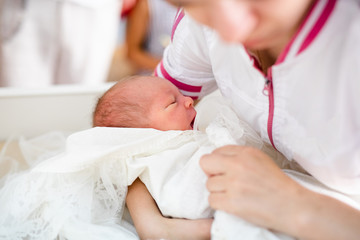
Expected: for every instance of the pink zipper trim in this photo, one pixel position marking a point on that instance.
(269, 88)
(308, 40)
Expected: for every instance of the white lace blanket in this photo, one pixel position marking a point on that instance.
(85, 185)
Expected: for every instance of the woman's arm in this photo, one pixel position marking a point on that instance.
(246, 182)
(150, 224)
(136, 32)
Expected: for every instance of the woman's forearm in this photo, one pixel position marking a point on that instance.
(323, 217)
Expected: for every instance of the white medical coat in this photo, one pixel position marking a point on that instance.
(314, 117)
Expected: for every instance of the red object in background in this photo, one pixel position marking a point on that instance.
(127, 7)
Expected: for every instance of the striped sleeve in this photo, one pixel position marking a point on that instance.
(186, 60)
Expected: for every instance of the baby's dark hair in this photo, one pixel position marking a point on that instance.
(117, 108)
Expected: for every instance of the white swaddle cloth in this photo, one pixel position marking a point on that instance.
(80, 193)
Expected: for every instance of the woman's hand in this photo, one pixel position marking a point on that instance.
(246, 182)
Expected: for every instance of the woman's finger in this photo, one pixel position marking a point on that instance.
(216, 183)
(229, 150)
(211, 164)
(221, 201)
(216, 163)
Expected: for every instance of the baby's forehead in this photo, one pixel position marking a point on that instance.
(158, 84)
(147, 88)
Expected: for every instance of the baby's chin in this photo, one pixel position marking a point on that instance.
(189, 127)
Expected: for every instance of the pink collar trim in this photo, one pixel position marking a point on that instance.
(309, 29)
(179, 15)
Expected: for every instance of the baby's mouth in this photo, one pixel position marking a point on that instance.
(192, 122)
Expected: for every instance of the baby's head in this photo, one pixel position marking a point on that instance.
(145, 102)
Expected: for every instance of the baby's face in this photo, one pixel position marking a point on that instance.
(168, 108)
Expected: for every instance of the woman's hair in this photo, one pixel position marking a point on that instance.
(118, 108)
